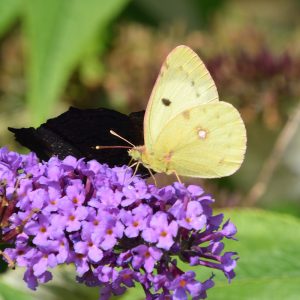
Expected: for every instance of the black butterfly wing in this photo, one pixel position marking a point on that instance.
(44, 142)
(78, 131)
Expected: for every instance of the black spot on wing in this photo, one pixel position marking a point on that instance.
(166, 102)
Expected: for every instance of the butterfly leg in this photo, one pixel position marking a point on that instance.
(136, 168)
(131, 160)
(130, 166)
(137, 164)
(152, 176)
(177, 177)
(134, 164)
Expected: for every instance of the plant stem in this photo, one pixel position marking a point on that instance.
(268, 168)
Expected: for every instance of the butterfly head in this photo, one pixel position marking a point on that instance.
(137, 153)
(140, 154)
(146, 158)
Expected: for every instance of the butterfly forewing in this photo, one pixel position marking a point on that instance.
(183, 82)
(206, 141)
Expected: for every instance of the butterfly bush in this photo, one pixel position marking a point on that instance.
(114, 227)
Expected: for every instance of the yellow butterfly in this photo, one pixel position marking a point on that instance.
(187, 130)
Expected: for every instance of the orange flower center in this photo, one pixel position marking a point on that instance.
(126, 276)
(109, 231)
(72, 218)
(182, 283)
(163, 234)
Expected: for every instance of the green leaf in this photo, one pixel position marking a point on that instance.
(269, 265)
(9, 293)
(9, 10)
(58, 33)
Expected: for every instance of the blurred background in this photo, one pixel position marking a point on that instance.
(95, 53)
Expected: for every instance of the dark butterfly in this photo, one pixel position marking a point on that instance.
(77, 132)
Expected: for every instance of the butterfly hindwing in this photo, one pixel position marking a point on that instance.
(206, 141)
(183, 82)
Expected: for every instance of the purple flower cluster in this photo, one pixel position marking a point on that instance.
(115, 228)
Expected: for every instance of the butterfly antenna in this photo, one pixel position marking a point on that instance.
(98, 147)
(120, 137)
(111, 147)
